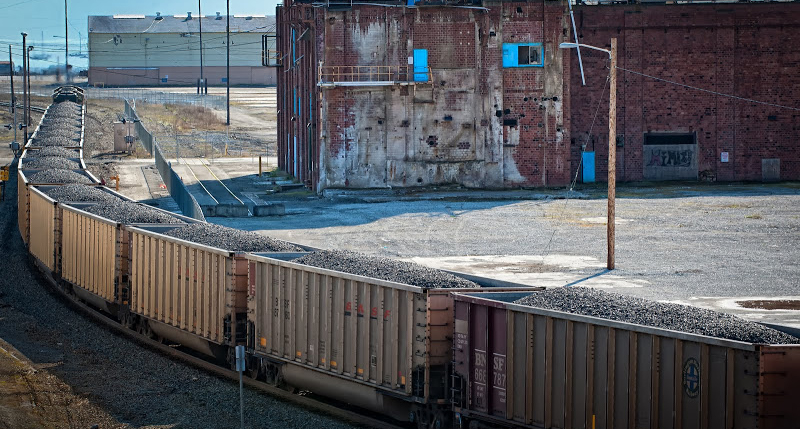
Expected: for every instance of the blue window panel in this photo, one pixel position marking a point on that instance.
(420, 65)
(511, 56)
(588, 167)
(295, 101)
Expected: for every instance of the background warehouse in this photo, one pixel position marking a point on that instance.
(486, 119)
(138, 50)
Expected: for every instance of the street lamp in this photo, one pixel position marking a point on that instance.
(612, 141)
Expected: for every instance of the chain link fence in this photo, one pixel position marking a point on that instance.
(157, 97)
(174, 184)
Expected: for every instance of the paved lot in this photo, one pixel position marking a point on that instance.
(707, 245)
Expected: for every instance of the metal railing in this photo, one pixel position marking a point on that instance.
(365, 75)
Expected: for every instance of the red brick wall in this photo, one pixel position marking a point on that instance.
(747, 50)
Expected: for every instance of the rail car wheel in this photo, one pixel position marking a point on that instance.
(125, 319)
(271, 374)
(144, 329)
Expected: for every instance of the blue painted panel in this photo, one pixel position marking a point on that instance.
(511, 55)
(588, 167)
(294, 53)
(420, 65)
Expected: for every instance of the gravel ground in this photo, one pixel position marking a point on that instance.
(80, 193)
(384, 268)
(58, 176)
(51, 162)
(127, 212)
(612, 306)
(132, 383)
(700, 244)
(231, 239)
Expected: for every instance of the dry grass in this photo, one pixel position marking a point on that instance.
(181, 118)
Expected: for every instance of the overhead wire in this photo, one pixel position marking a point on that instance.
(722, 94)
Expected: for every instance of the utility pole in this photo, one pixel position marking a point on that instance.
(200, 20)
(13, 96)
(66, 42)
(24, 87)
(228, 62)
(612, 153)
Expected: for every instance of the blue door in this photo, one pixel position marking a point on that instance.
(588, 167)
(420, 65)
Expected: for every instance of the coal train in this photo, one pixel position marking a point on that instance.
(431, 357)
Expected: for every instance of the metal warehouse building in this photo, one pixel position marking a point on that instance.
(138, 50)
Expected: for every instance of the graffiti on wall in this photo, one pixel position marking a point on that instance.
(670, 162)
(669, 157)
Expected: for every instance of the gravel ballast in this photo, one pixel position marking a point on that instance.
(384, 269)
(79, 193)
(53, 151)
(47, 162)
(231, 239)
(127, 212)
(64, 109)
(58, 176)
(60, 138)
(675, 317)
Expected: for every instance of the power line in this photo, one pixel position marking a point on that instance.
(710, 91)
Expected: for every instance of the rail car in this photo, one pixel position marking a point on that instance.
(432, 357)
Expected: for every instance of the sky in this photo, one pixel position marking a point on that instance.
(43, 19)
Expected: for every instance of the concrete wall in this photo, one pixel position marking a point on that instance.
(144, 59)
(747, 50)
(449, 131)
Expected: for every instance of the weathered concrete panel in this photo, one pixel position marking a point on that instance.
(670, 162)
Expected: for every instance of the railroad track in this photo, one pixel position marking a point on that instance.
(19, 106)
(212, 368)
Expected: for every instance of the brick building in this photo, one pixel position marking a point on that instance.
(388, 95)
(480, 95)
(667, 131)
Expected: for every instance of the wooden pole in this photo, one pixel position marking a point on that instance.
(612, 153)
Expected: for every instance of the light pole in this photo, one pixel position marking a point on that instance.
(13, 96)
(612, 142)
(228, 61)
(200, 22)
(66, 43)
(28, 113)
(24, 87)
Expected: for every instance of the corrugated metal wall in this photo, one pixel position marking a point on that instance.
(90, 248)
(191, 287)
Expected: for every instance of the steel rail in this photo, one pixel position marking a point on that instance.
(221, 183)
(200, 182)
(34, 108)
(209, 367)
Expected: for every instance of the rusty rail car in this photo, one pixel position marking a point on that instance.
(520, 366)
